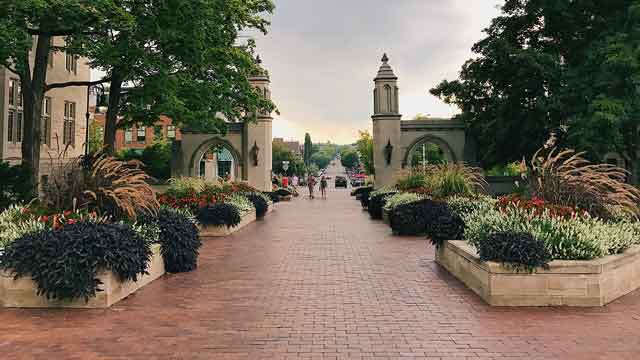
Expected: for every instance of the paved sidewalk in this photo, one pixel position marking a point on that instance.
(318, 280)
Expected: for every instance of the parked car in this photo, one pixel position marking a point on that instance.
(341, 181)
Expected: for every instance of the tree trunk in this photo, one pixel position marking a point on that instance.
(33, 85)
(111, 122)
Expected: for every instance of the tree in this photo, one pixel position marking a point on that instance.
(321, 159)
(349, 158)
(282, 153)
(192, 71)
(27, 28)
(548, 64)
(308, 149)
(364, 146)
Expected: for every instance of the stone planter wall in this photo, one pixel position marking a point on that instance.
(572, 283)
(21, 293)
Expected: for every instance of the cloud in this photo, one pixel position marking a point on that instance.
(323, 55)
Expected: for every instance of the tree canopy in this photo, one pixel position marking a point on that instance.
(548, 64)
(349, 158)
(282, 153)
(192, 71)
(155, 62)
(364, 145)
(308, 149)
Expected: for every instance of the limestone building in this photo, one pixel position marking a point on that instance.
(63, 121)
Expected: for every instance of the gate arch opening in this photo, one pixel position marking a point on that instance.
(428, 150)
(216, 158)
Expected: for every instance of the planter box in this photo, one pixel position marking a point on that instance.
(285, 198)
(571, 283)
(219, 231)
(386, 217)
(21, 293)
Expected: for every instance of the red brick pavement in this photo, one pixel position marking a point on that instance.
(318, 280)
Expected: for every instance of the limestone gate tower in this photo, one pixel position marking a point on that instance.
(386, 126)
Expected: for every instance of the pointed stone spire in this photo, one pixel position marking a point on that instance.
(385, 72)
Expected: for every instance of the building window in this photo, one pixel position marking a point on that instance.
(69, 130)
(158, 133)
(45, 132)
(141, 134)
(14, 126)
(72, 63)
(128, 135)
(171, 132)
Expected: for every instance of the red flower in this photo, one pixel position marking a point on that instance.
(71, 221)
(66, 213)
(44, 218)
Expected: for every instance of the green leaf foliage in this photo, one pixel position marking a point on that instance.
(550, 63)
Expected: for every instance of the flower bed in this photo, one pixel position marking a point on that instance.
(245, 219)
(571, 283)
(23, 291)
(93, 237)
(220, 209)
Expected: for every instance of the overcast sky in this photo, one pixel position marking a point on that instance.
(324, 54)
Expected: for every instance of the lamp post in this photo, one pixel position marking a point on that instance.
(285, 166)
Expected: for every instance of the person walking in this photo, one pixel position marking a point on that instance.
(323, 187)
(311, 183)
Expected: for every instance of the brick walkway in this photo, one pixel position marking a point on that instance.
(318, 280)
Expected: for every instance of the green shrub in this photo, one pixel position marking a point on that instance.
(413, 180)
(364, 196)
(377, 201)
(183, 187)
(444, 225)
(64, 263)
(427, 217)
(219, 215)
(179, 239)
(399, 199)
(511, 169)
(518, 250)
(15, 185)
(241, 202)
(14, 224)
(157, 160)
(283, 192)
(260, 202)
(275, 198)
(464, 206)
(361, 190)
(411, 219)
(566, 239)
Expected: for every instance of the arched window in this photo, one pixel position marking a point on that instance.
(388, 94)
(376, 107)
(397, 102)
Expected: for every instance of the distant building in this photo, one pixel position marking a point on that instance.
(139, 136)
(293, 146)
(63, 110)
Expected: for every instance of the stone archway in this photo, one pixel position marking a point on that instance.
(205, 147)
(448, 152)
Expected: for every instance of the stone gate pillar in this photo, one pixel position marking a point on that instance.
(387, 156)
(257, 141)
